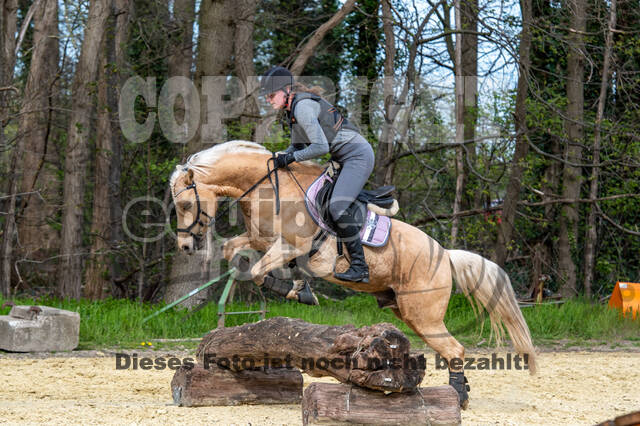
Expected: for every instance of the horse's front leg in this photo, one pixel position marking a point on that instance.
(276, 256)
(233, 245)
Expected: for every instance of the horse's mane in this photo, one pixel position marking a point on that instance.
(204, 159)
(210, 156)
(199, 161)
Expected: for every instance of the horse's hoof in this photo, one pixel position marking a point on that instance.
(464, 404)
(306, 295)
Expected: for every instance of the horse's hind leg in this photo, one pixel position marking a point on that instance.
(424, 311)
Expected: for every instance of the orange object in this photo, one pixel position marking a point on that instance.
(626, 298)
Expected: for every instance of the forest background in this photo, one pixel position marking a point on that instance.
(508, 128)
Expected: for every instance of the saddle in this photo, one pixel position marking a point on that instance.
(371, 209)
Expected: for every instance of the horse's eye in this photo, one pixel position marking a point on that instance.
(185, 205)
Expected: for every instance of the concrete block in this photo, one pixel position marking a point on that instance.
(39, 329)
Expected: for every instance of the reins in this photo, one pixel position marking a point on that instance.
(213, 220)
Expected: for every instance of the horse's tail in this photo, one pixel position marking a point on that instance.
(485, 282)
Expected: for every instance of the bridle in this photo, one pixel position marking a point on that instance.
(212, 220)
(197, 220)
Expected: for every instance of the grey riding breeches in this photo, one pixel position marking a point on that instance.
(357, 162)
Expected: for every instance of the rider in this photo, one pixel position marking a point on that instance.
(316, 129)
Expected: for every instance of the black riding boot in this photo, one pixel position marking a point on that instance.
(349, 233)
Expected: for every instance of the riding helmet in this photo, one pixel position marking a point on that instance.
(277, 78)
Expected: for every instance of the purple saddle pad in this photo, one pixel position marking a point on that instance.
(374, 232)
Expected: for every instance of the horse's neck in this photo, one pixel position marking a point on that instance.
(234, 181)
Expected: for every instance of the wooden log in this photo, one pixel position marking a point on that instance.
(631, 419)
(333, 402)
(197, 386)
(375, 357)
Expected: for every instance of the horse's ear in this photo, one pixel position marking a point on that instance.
(189, 178)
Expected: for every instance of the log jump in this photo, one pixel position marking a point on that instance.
(260, 363)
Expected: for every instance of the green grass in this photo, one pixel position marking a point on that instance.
(118, 323)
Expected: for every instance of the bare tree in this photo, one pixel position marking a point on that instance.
(469, 73)
(385, 143)
(459, 94)
(39, 180)
(214, 62)
(95, 273)
(244, 63)
(8, 28)
(398, 93)
(77, 151)
(98, 266)
(572, 175)
(592, 230)
(505, 229)
(123, 9)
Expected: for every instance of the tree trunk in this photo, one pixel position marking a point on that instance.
(8, 28)
(510, 204)
(592, 231)
(350, 355)
(8, 232)
(572, 176)
(385, 143)
(469, 72)
(459, 94)
(37, 238)
(216, 40)
(215, 55)
(123, 13)
(75, 167)
(180, 49)
(244, 65)
(98, 263)
(181, 54)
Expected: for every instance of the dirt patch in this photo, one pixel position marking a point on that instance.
(571, 388)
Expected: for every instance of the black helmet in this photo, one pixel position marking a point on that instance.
(277, 78)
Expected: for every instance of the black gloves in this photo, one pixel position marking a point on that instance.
(283, 160)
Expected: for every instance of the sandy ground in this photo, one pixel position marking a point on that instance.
(571, 388)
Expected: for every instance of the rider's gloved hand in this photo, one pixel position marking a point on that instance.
(283, 160)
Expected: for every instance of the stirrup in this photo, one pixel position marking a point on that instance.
(335, 263)
(364, 280)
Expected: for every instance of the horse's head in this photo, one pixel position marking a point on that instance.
(195, 207)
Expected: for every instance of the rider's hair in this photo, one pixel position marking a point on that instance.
(299, 87)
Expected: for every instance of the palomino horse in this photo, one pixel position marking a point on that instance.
(412, 267)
